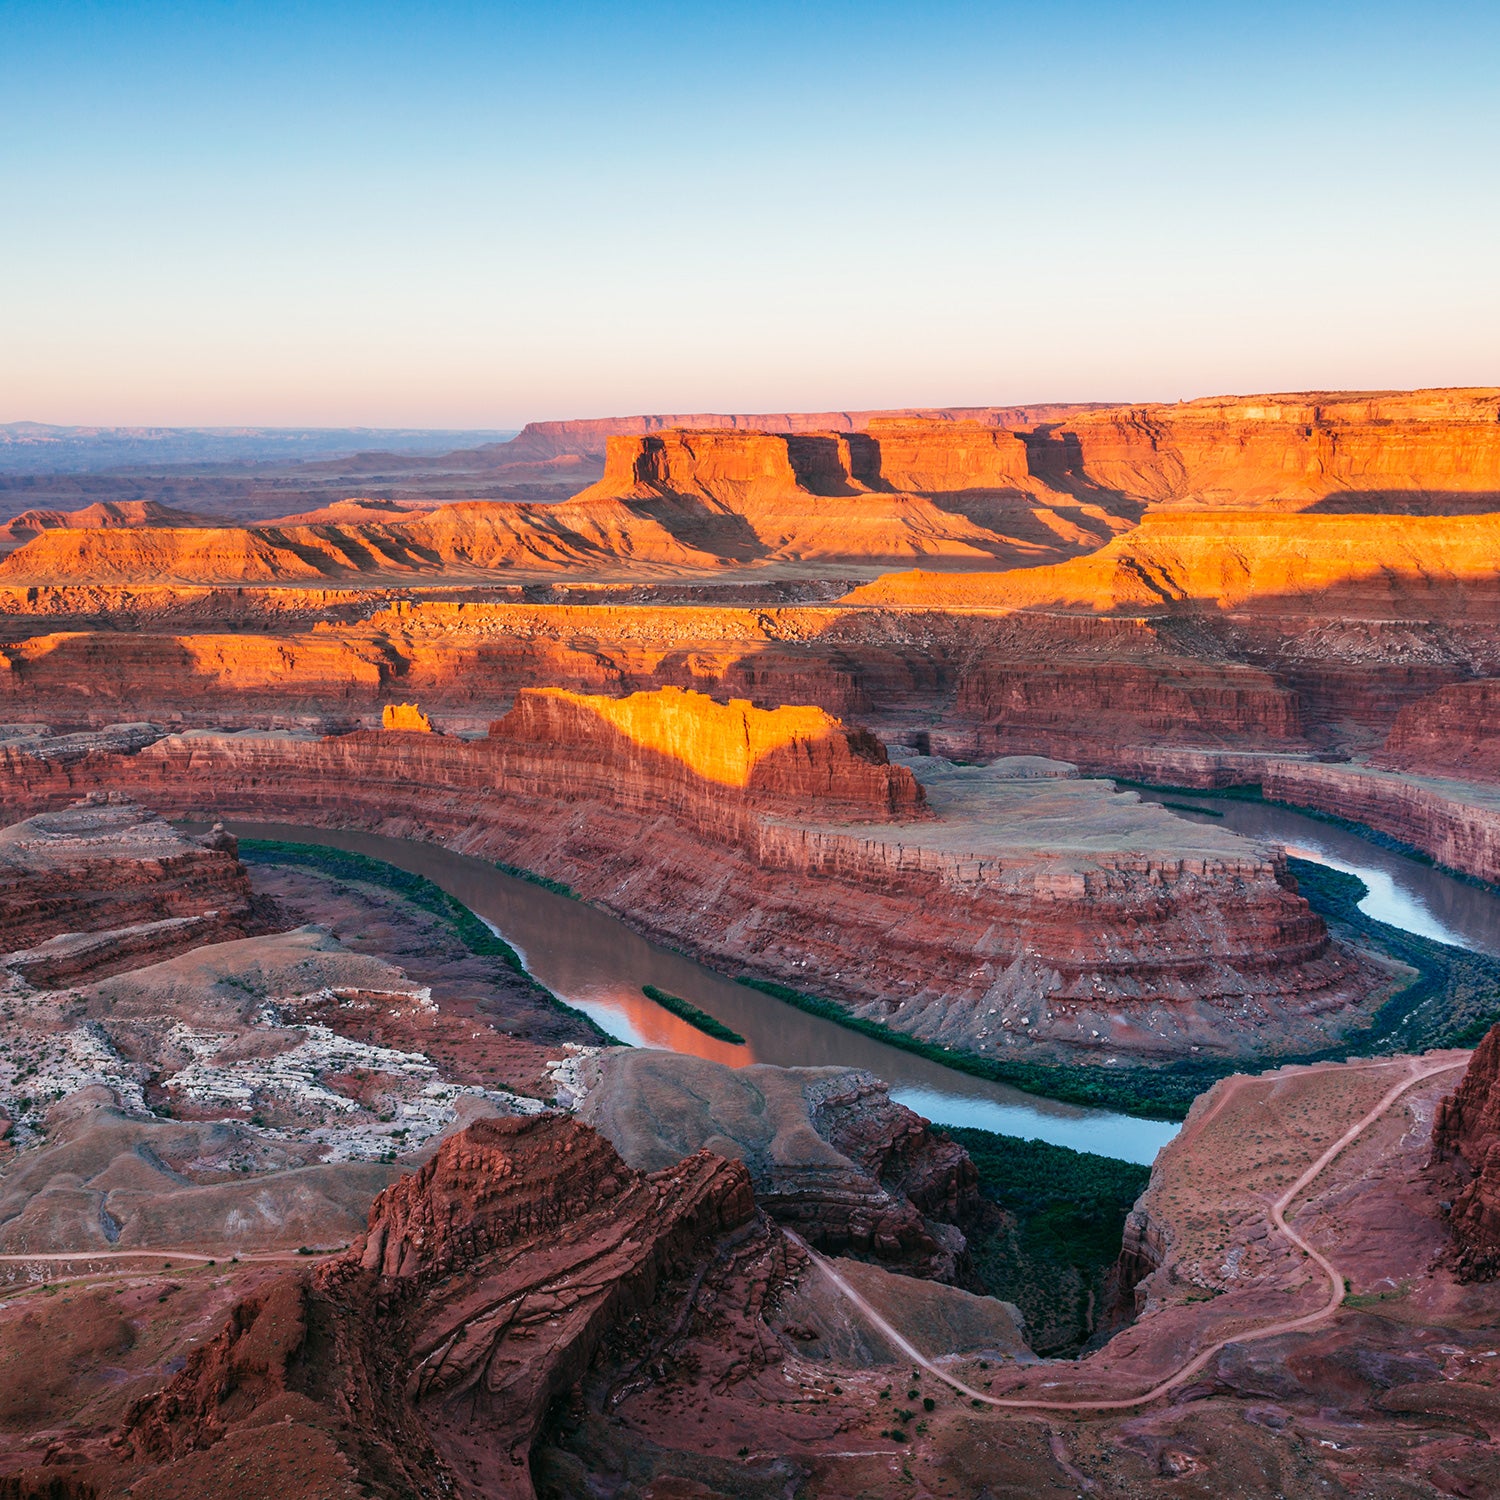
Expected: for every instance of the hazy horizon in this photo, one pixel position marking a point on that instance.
(470, 217)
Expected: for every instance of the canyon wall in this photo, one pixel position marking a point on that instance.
(829, 1154)
(705, 756)
(1453, 732)
(86, 888)
(1017, 914)
(745, 467)
(483, 1288)
(1419, 451)
(725, 496)
(1091, 711)
(1389, 567)
(589, 437)
(1466, 1132)
(1081, 686)
(1456, 823)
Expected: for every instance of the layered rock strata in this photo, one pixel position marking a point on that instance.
(1466, 1134)
(1332, 450)
(686, 751)
(484, 1286)
(1078, 685)
(1419, 451)
(1380, 566)
(1456, 823)
(90, 887)
(1454, 732)
(1021, 911)
(589, 438)
(829, 1153)
(676, 499)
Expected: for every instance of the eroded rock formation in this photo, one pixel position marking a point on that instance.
(792, 758)
(904, 486)
(1466, 1137)
(1384, 566)
(102, 515)
(483, 1288)
(1418, 451)
(829, 1153)
(1454, 732)
(1456, 823)
(90, 887)
(405, 716)
(1023, 912)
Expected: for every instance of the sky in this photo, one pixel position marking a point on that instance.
(474, 215)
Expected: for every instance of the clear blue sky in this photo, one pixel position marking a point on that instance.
(474, 214)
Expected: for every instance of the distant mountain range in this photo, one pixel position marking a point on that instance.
(36, 448)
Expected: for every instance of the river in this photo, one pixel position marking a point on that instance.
(597, 964)
(1402, 891)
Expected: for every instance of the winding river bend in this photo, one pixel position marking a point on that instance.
(1402, 891)
(597, 964)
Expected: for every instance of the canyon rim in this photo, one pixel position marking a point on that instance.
(749, 753)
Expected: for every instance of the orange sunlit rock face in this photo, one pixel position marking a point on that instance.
(1141, 931)
(1426, 452)
(106, 515)
(406, 716)
(792, 757)
(1233, 559)
(1018, 488)
(723, 742)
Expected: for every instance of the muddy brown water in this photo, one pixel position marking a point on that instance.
(596, 963)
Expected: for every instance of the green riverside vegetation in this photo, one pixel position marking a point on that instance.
(1452, 1000)
(547, 883)
(1159, 1094)
(340, 864)
(685, 1010)
(1051, 1249)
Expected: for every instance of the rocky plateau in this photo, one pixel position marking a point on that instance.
(309, 1188)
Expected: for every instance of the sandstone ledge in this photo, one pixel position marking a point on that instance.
(1032, 914)
(1456, 823)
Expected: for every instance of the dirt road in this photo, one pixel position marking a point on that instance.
(1416, 1073)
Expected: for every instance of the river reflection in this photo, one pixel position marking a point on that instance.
(1402, 891)
(596, 963)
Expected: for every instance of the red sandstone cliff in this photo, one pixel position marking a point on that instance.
(1466, 1132)
(1418, 451)
(673, 498)
(829, 1153)
(705, 756)
(1454, 732)
(1026, 915)
(1386, 566)
(589, 437)
(1457, 823)
(424, 1361)
(89, 887)
(106, 515)
(1070, 683)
